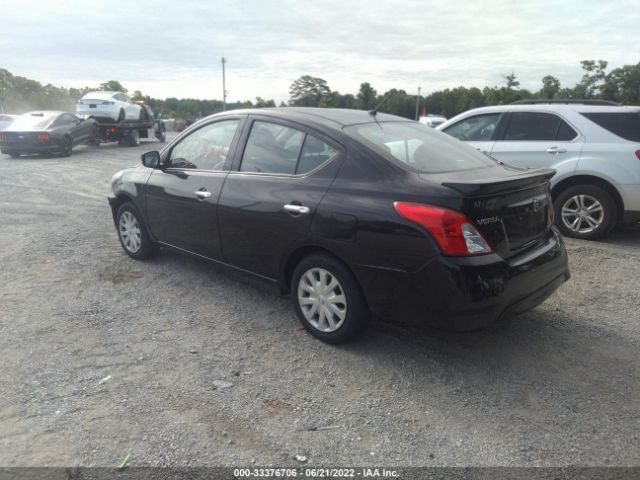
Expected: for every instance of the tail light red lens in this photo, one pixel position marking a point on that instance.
(42, 137)
(638, 154)
(3, 137)
(454, 233)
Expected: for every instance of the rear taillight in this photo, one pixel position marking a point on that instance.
(638, 154)
(107, 103)
(42, 137)
(454, 233)
(3, 137)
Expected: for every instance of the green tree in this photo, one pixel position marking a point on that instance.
(510, 81)
(592, 80)
(308, 91)
(367, 97)
(550, 87)
(623, 85)
(113, 86)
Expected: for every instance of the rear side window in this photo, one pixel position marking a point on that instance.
(537, 126)
(273, 148)
(622, 124)
(478, 128)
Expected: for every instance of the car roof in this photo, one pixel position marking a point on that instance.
(331, 117)
(558, 107)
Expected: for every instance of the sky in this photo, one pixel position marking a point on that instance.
(173, 48)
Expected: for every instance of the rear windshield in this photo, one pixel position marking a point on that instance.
(419, 147)
(28, 121)
(622, 124)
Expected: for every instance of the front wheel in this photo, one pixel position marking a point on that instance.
(328, 300)
(133, 234)
(585, 211)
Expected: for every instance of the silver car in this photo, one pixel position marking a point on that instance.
(593, 145)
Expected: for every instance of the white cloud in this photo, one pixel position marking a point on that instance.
(167, 48)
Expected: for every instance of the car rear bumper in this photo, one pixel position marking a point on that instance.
(11, 147)
(468, 293)
(99, 112)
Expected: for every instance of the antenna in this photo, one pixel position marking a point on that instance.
(374, 112)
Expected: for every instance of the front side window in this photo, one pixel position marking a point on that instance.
(206, 148)
(537, 126)
(478, 128)
(419, 148)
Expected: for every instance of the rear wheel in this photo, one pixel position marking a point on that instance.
(134, 138)
(120, 116)
(585, 211)
(328, 300)
(67, 147)
(133, 234)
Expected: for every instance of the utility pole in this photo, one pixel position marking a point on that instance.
(417, 103)
(224, 87)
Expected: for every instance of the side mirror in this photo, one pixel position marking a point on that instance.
(151, 159)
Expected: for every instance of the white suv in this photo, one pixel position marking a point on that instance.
(593, 145)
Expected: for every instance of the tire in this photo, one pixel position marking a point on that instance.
(134, 138)
(120, 116)
(162, 136)
(132, 233)
(337, 328)
(14, 154)
(598, 208)
(67, 147)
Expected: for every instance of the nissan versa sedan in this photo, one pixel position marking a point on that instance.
(353, 213)
(46, 132)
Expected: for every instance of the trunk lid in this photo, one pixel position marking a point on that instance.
(510, 207)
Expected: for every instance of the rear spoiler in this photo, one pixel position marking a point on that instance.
(487, 186)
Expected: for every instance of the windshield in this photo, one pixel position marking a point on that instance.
(419, 147)
(29, 121)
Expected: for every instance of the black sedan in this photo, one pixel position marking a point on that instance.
(46, 132)
(354, 213)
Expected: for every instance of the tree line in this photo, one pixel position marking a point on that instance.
(622, 85)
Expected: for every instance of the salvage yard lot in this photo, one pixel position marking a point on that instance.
(179, 362)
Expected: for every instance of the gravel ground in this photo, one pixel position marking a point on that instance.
(181, 363)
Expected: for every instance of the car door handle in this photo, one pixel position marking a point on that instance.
(556, 150)
(202, 194)
(297, 209)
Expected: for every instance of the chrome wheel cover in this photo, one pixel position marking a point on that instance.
(582, 213)
(322, 300)
(129, 232)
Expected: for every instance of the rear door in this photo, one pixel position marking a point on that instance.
(182, 199)
(269, 200)
(478, 130)
(536, 140)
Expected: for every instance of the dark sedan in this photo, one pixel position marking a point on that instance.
(354, 213)
(46, 132)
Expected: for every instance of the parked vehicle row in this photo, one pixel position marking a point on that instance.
(593, 146)
(355, 213)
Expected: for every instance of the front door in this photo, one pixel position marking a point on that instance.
(269, 203)
(182, 199)
(478, 131)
